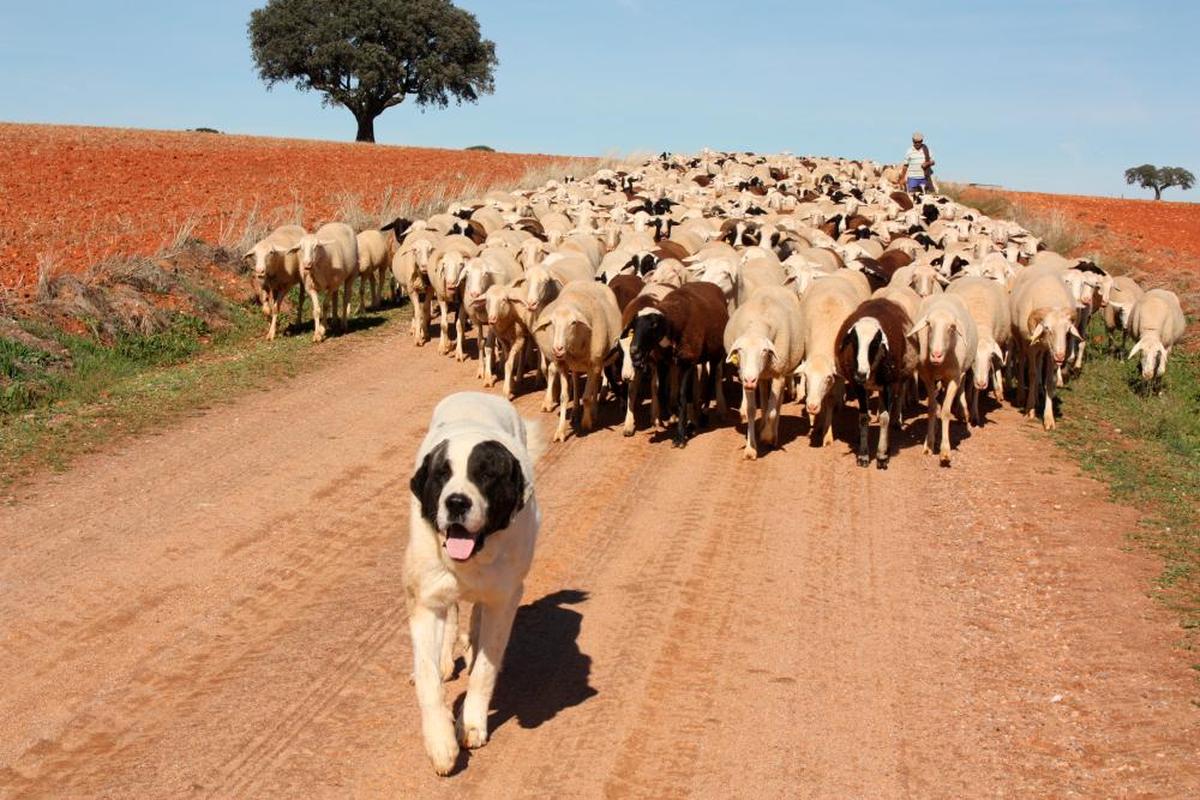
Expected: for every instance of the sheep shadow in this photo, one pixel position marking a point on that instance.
(544, 671)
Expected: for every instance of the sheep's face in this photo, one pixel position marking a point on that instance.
(752, 356)
(987, 355)
(569, 333)
(1053, 327)
(943, 336)
(423, 251)
(476, 278)
(649, 336)
(538, 289)
(1154, 358)
(310, 250)
(493, 303)
(925, 281)
(818, 377)
(452, 264)
(720, 272)
(869, 347)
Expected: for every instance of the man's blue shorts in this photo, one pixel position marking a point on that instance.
(918, 183)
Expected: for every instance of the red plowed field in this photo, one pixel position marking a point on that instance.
(1165, 236)
(79, 195)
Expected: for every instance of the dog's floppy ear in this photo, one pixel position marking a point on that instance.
(428, 481)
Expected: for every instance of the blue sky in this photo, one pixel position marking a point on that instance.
(1052, 96)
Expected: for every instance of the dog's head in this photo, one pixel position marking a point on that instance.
(468, 490)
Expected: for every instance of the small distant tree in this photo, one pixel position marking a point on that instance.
(370, 55)
(1149, 176)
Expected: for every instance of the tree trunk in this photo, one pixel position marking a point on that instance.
(366, 127)
(1157, 190)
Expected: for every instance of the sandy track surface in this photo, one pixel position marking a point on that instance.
(216, 611)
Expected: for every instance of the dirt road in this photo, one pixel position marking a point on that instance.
(216, 611)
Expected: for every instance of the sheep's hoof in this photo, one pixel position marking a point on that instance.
(881, 462)
(945, 459)
(679, 443)
(548, 407)
(863, 460)
(927, 450)
(750, 453)
(460, 357)
(1048, 424)
(628, 431)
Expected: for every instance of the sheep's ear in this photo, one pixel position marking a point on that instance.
(249, 254)
(479, 303)
(733, 358)
(1075, 332)
(293, 249)
(1136, 349)
(1037, 332)
(942, 279)
(918, 326)
(542, 324)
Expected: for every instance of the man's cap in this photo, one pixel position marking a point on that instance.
(918, 136)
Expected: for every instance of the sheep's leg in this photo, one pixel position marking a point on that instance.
(564, 400)
(460, 332)
(883, 451)
(998, 384)
(1032, 379)
(655, 396)
(318, 328)
(299, 305)
(482, 352)
(835, 396)
(931, 414)
(631, 394)
(687, 376)
(750, 403)
(273, 307)
(551, 380)
(947, 413)
(775, 391)
(1048, 405)
(864, 425)
(973, 393)
(377, 281)
(591, 392)
(443, 334)
(362, 290)
(676, 380)
(719, 387)
(515, 356)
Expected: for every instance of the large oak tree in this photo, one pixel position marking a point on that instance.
(370, 55)
(1149, 176)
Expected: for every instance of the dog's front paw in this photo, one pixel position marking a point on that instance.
(442, 749)
(472, 735)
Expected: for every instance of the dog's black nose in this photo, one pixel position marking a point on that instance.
(458, 505)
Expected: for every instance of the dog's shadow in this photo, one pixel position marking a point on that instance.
(544, 670)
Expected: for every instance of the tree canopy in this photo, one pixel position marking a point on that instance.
(1149, 176)
(370, 55)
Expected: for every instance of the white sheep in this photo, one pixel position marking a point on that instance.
(1043, 319)
(987, 302)
(946, 342)
(1158, 322)
(823, 310)
(577, 332)
(276, 266)
(328, 263)
(374, 258)
(764, 341)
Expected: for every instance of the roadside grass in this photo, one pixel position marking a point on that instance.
(1145, 446)
(142, 381)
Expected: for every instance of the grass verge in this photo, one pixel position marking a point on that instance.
(140, 382)
(1146, 447)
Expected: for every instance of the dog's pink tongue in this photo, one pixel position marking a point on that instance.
(460, 549)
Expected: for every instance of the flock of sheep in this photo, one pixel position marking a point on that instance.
(800, 278)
